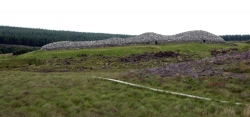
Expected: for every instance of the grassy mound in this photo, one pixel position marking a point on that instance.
(201, 49)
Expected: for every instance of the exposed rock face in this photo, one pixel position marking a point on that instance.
(197, 36)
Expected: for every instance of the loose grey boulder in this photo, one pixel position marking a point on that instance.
(197, 36)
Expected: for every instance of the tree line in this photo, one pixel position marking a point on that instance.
(16, 50)
(40, 37)
(236, 37)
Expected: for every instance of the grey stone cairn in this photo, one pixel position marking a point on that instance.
(197, 36)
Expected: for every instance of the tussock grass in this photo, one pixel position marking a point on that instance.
(246, 111)
(77, 94)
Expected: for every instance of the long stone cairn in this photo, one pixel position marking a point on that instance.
(197, 36)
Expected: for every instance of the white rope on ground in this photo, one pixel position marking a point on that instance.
(164, 91)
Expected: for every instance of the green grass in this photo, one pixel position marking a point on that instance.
(77, 94)
(201, 49)
(58, 59)
(59, 88)
(217, 88)
(5, 56)
(107, 58)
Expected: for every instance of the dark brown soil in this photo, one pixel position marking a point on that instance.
(149, 56)
(217, 52)
(214, 66)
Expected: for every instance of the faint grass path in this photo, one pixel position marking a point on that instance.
(164, 91)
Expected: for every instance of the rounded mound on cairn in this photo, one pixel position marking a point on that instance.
(197, 36)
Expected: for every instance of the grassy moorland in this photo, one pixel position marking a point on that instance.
(60, 83)
(111, 58)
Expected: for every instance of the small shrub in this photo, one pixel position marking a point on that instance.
(22, 51)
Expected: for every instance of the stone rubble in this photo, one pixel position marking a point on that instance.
(197, 36)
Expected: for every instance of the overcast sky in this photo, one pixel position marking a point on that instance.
(129, 16)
